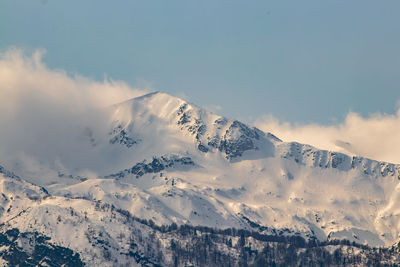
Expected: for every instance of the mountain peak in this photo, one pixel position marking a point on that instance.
(157, 95)
(147, 95)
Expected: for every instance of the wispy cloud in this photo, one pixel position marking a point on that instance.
(376, 137)
(41, 109)
(26, 77)
(214, 108)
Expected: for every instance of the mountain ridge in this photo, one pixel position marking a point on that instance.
(337, 158)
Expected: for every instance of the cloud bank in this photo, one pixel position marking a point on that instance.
(376, 137)
(41, 110)
(26, 79)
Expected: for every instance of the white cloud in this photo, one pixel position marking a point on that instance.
(26, 77)
(214, 108)
(41, 109)
(183, 96)
(376, 137)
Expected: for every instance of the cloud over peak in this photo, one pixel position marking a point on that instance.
(376, 137)
(26, 76)
(41, 109)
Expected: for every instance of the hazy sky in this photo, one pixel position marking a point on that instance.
(301, 61)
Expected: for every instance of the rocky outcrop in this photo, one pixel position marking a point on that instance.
(310, 156)
(233, 142)
(157, 165)
(119, 135)
(238, 139)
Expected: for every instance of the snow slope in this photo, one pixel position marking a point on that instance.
(167, 160)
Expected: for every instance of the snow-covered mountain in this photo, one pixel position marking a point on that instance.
(162, 159)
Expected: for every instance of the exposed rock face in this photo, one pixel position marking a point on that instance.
(238, 139)
(193, 125)
(157, 165)
(310, 156)
(8, 173)
(233, 140)
(119, 135)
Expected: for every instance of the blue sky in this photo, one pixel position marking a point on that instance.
(301, 61)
